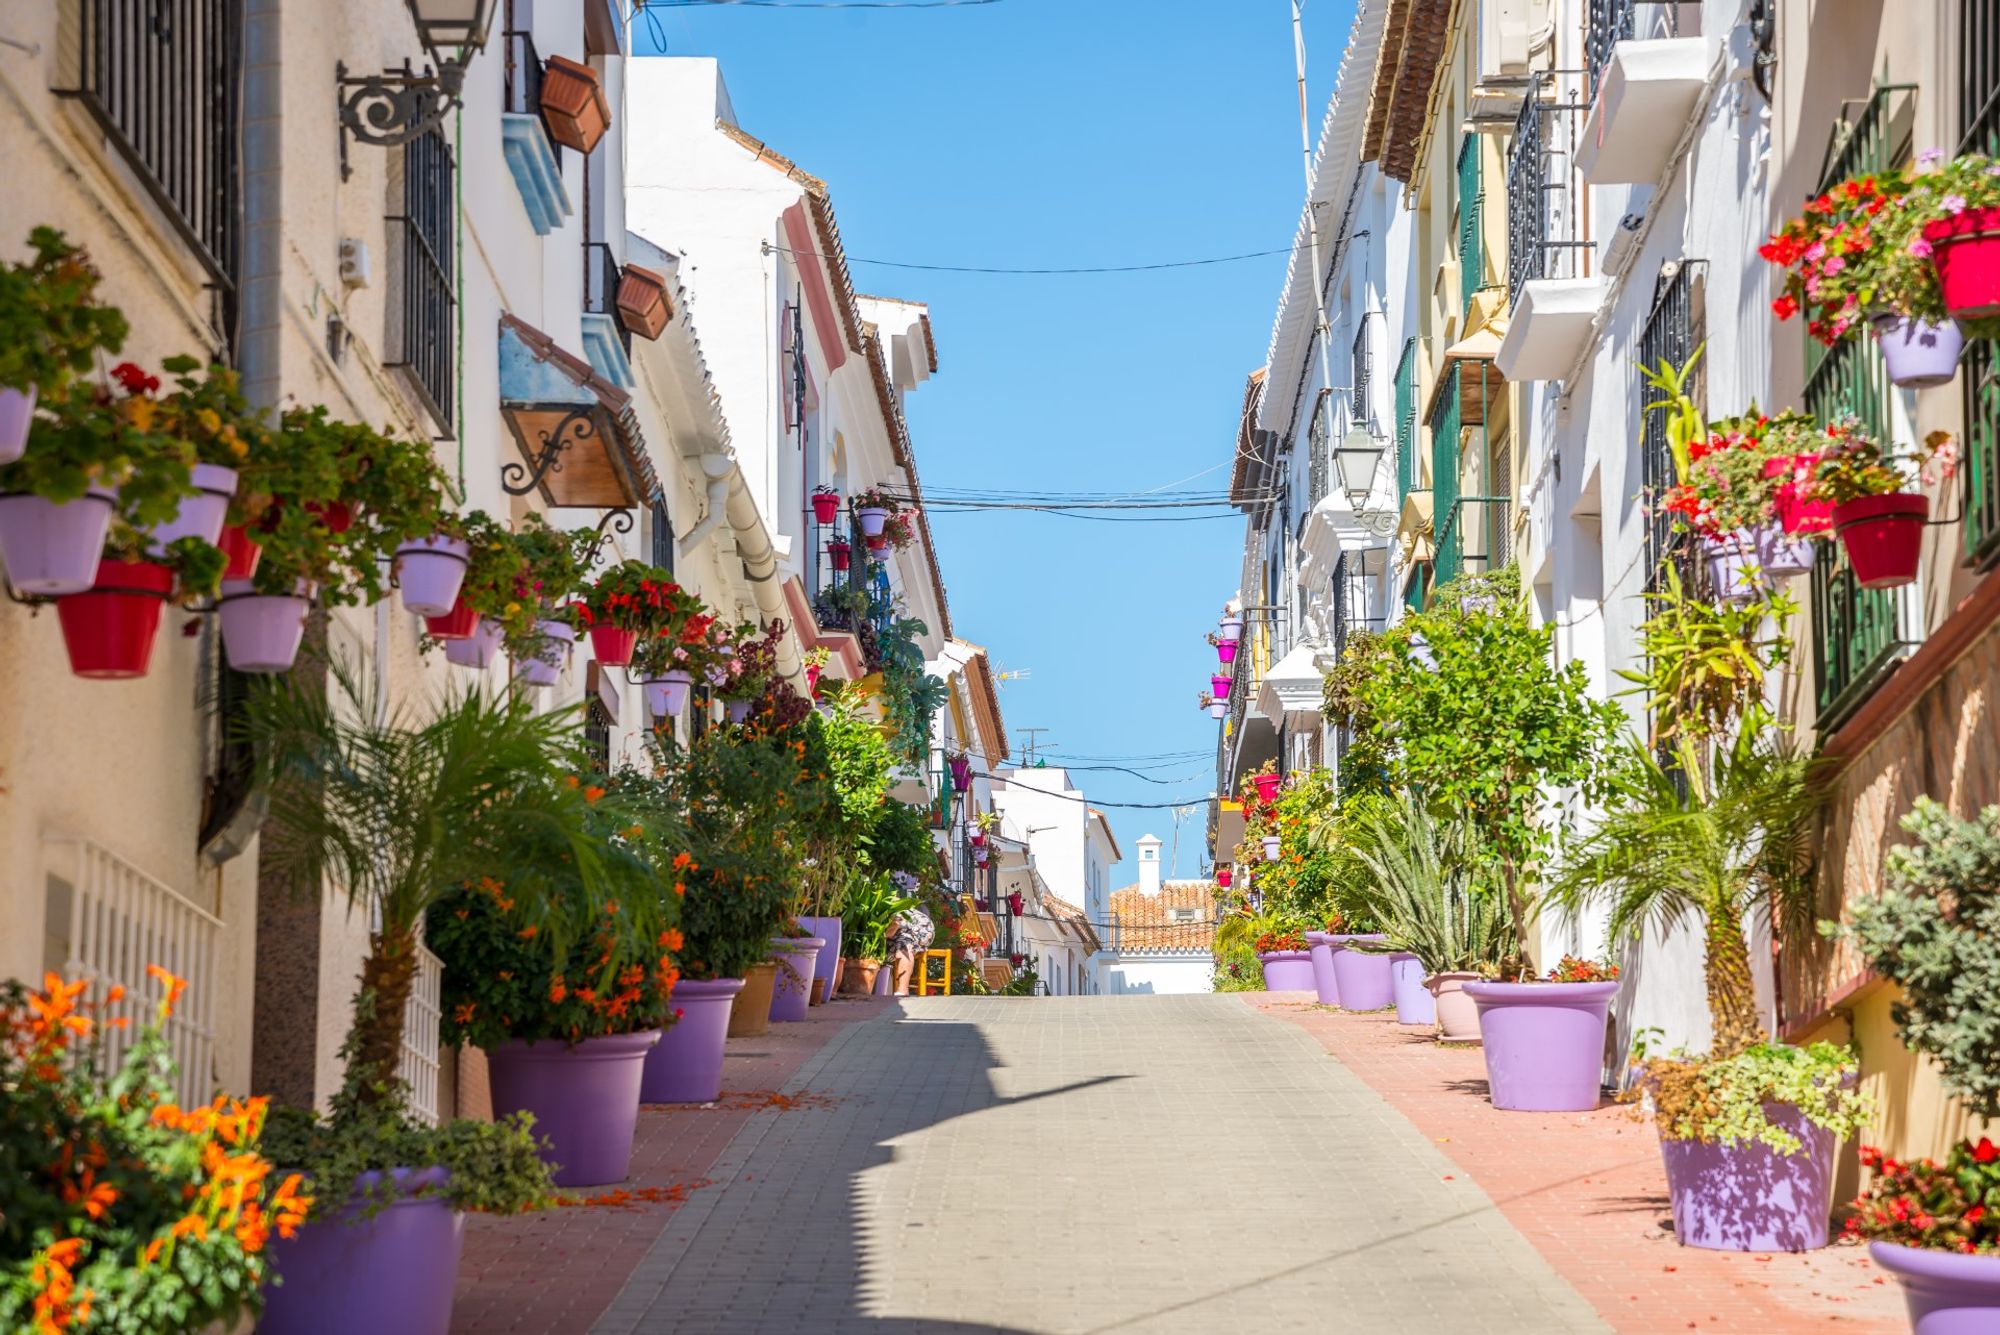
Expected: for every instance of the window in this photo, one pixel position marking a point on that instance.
(1183, 915)
(1471, 244)
(161, 78)
(424, 303)
(663, 536)
(597, 733)
(1319, 451)
(1408, 473)
(1670, 335)
(1362, 363)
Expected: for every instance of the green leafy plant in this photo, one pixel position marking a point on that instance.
(877, 498)
(1855, 465)
(1706, 664)
(868, 915)
(52, 326)
(1723, 1101)
(1575, 969)
(1430, 890)
(85, 437)
(1935, 931)
(1948, 1207)
(1270, 942)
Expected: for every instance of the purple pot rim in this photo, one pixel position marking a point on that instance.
(1320, 938)
(1555, 994)
(214, 485)
(1340, 938)
(437, 544)
(102, 494)
(707, 987)
(798, 945)
(1266, 956)
(1928, 1263)
(604, 1047)
(1398, 956)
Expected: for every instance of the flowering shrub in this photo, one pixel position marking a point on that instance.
(1273, 941)
(1571, 969)
(635, 596)
(1723, 1101)
(1742, 471)
(1854, 465)
(125, 1212)
(51, 324)
(900, 529)
(1949, 1207)
(877, 498)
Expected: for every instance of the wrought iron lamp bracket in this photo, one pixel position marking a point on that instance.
(619, 522)
(576, 425)
(395, 107)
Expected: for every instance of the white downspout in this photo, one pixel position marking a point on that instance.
(729, 498)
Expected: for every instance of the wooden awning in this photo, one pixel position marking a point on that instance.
(576, 431)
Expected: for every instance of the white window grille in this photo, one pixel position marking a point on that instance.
(421, 1016)
(107, 920)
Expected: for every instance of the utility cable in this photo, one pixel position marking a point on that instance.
(1044, 272)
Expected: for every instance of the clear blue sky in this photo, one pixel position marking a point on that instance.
(1062, 133)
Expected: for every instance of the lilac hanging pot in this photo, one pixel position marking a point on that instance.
(1363, 975)
(1919, 355)
(738, 710)
(1732, 567)
(1414, 1003)
(686, 1065)
(1230, 630)
(201, 515)
(1287, 970)
(477, 649)
(261, 632)
(1325, 981)
(430, 573)
(17, 415)
(1749, 1197)
(545, 666)
(1947, 1293)
(53, 548)
(1781, 554)
(1271, 847)
(792, 993)
(873, 519)
(667, 694)
(1544, 1043)
(828, 959)
(345, 1270)
(585, 1100)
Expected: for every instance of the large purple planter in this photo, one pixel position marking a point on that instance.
(1414, 1002)
(585, 1100)
(1544, 1043)
(262, 632)
(477, 649)
(53, 549)
(202, 514)
(17, 414)
(1324, 980)
(430, 572)
(545, 666)
(828, 960)
(1750, 1198)
(686, 1066)
(391, 1273)
(1363, 975)
(1919, 355)
(1947, 1293)
(1287, 970)
(792, 993)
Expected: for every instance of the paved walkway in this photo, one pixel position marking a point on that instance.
(1083, 1165)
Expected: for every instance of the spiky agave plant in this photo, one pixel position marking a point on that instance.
(1427, 892)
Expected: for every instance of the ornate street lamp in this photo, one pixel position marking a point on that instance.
(392, 108)
(1357, 456)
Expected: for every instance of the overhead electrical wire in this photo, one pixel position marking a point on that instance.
(1048, 271)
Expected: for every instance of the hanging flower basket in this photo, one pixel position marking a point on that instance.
(545, 667)
(1795, 513)
(642, 302)
(812, 677)
(53, 548)
(1965, 251)
(17, 414)
(457, 624)
(337, 516)
(1781, 554)
(1884, 537)
(738, 711)
(477, 649)
(878, 546)
(1219, 685)
(1267, 786)
(826, 506)
(1919, 355)
(961, 772)
(667, 694)
(1270, 842)
(262, 632)
(613, 645)
(574, 108)
(1231, 629)
(109, 630)
(1223, 876)
(873, 519)
(430, 573)
(1225, 652)
(240, 550)
(841, 552)
(202, 514)
(1016, 904)
(1732, 566)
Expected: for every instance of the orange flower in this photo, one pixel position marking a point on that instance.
(464, 1011)
(682, 861)
(671, 939)
(592, 793)
(175, 986)
(557, 991)
(528, 933)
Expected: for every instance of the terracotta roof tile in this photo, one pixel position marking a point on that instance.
(1138, 921)
(1071, 918)
(1414, 38)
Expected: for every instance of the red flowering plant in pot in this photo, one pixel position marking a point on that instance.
(1876, 510)
(628, 601)
(873, 509)
(52, 329)
(1957, 205)
(1936, 1228)
(685, 650)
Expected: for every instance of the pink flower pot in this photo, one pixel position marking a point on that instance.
(477, 649)
(1795, 513)
(1267, 787)
(1544, 1043)
(613, 645)
(109, 628)
(686, 1066)
(1325, 981)
(52, 549)
(1219, 686)
(430, 573)
(1884, 537)
(241, 551)
(1749, 1197)
(1919, 355)
(585, 1100)
(457, 624)
(873, 520)
(1225, 652)
(1287, 970)
(262, 632)
(545, 667)
(17, 414)
(1965, 251)
(1457, 1014)
(826, 507)
(792, 993)
(667, 694)
(1947, 1293)
(346, 1270)
(1414, 1003)
(202, 514)
(1363, 975)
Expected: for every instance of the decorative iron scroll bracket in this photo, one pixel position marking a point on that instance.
(618, 522)
(392, 108)
(575, 426)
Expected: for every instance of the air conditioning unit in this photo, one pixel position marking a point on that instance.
(1509, 32)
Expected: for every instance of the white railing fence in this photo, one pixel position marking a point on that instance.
(419, 1066)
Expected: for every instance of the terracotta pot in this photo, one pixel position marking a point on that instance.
(642, 302)
(1457, 1014)
(857, 976)
(574, 109)
(752, 1015)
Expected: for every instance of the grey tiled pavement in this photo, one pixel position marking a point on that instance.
(1072, 1165)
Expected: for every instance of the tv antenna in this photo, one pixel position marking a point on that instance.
(1028, 745)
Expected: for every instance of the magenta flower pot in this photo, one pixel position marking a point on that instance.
(1287, 970)
(667, 694)
(686, 1066)
(392, 1271)
(1781, 554)
(792, 992)
(1225, 652)
(873, 521)
(202, 514)
(477, 649)
(1218, 686)
(53, 549)
(17, 414)
(1325, 981)
(585, 1100)
(1363, 975)
(1947, 1293)
(261, 632)
(1919, 355)
(545, 667)
(1749, 1197)
(1731, 567)
(1414, 1002)
(828, 959)
(430, 572)
(1544, 1043)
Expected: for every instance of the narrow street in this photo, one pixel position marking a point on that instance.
(1180, 1163)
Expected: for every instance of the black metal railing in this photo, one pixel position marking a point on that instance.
(1319, 452)
(426, 316)
(1613, 21)
(1979, 109)
(163, 80)
(600, 287)
(1669, 338)
(1542, 211)
(1409, 470)
(1363, 363)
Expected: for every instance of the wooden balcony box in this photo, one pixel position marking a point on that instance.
(642, 303)
(574, 107)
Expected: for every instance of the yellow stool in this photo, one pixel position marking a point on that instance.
(922, 985)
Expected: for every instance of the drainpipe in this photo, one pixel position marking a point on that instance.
(730, 499)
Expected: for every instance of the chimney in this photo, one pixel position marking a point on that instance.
(1149, 865)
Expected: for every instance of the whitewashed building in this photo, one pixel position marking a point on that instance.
(1159, 935)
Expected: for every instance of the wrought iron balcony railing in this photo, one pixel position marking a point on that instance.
(1543, 206)
(1979, 109)
(600, 287)
(425, 310)
(1613, 21)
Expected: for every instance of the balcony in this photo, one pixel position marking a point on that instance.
(533, 159)
(1553, 295)
(1645, 83)
(606, 342)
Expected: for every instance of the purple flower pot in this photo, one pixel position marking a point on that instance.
(1781, 554)
(1325, 981)
(738, 710)
(1363, 975)
(1230, 629)
(545, 667)
(828, 959)
(391, 1271)
(1287, 970)
(17, 414)
(53, 549)
(1414, 1002)
(873, 520)
(1732, 562)
(477, 649)
(792, 993)
(585, 1100)
(885, 979)
(1749, 1197)
(1948, 1293)
(202, 514)
(261, 632)
(686, 1067)
(1544, 1043)
(1272, 847)
(1919, 355)
(667, 694)
(430, 573)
